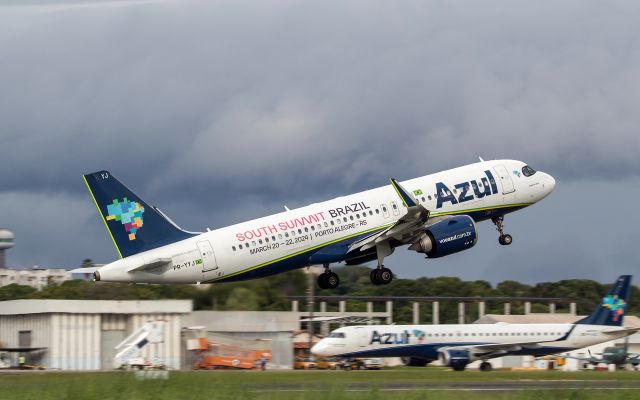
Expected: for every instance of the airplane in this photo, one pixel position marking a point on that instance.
(619, 356)
(457, 345)
(434, 214)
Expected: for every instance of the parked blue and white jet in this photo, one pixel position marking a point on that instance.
(434, 214)
(460, 344)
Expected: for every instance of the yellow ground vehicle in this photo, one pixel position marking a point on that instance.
(328, 363)
(361, 363)
(304, 363)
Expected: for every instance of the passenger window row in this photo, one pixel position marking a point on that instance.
(497, 334)
(332, 222)
(312, 228)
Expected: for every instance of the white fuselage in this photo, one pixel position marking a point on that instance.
(284, 241)
(427, 340)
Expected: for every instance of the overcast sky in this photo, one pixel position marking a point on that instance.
(223, 111)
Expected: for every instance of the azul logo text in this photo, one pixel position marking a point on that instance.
(466, 191)
(390, 338)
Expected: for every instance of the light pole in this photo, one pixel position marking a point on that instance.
(310, 306)
(312, 273)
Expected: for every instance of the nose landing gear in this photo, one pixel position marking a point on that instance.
(504, 239)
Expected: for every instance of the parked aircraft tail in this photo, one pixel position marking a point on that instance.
(134, 226)
(612, 309)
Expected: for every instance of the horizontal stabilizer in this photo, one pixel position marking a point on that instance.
(85, 270)
(155, 263)
(628, 331)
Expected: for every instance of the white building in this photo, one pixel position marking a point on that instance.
(35, 277)
(82, 334)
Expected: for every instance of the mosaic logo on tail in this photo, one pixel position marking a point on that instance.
(615, 305)
(129, 213)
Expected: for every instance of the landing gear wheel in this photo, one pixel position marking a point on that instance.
(486, 366)
(381, 276)
(385, 276)
(332, 280)
(505, 239)
(373, 277)
(322, 281)
(328, 280)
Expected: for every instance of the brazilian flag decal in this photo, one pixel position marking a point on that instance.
(417, 192)
(199, 261)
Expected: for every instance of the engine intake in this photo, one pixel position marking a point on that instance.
(446, 237)
(456, 359)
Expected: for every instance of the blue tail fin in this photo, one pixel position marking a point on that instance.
(614, 304)
(133, 225)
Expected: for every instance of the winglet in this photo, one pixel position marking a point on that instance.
(407, 199)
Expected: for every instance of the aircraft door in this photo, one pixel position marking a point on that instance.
(394, 207)
(505, 179)
(385, 210)
(362, 336)
(208, 257)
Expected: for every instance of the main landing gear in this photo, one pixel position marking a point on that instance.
(504, 239)
(486, 366)
(382, 275)
(328, 279)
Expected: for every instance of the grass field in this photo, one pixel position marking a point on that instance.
(405, 384)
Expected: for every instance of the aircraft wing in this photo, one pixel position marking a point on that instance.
(591, 360)
(495, 349)
(405, 229)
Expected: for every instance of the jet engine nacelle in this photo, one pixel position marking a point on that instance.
(446, 237)
(456, 359)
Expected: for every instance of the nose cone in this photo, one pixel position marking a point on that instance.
(320, 349)
(548, 183)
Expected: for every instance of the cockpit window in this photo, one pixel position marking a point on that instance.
(336, 335)
(528, 171)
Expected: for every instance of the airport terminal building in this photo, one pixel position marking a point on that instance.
(82, 334)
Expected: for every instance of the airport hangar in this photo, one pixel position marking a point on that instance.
(82, 334)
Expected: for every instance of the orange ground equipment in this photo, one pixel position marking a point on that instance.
(231, 353)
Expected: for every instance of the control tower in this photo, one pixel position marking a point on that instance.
(6, 242)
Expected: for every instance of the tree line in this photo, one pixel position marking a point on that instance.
(270, 294)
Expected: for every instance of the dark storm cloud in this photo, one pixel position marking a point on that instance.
(224, 111)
